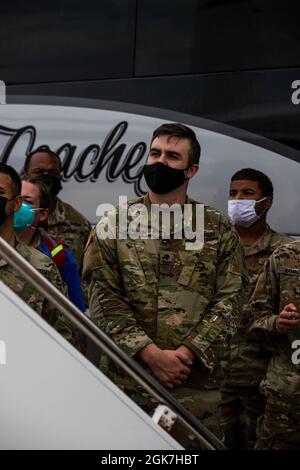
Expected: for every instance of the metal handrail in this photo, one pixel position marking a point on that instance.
(107, 345)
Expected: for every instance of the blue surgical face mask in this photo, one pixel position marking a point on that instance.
(24, 217)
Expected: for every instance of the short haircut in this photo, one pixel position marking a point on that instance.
(15, 178)
(182, 132)
(41, 149)
(45, 193)
(264, 182)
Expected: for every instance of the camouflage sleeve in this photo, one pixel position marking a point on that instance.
(109, 307)
(50, 312)
(220, 319)
(264, 302)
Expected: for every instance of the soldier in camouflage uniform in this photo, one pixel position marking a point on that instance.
(275, 306)
(64, 222)
(170, 308)
(10, 202)
(248, 357)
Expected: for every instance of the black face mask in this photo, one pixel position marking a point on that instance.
(3, 215)
(163, 179)
(53, 182)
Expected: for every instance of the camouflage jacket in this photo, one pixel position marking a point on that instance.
(27, 292)
(256, 256)
(70, 227)
(278, 285)
(143, 291)
(247, 361)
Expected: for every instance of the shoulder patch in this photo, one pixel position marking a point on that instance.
(210, 235)
(92, 257)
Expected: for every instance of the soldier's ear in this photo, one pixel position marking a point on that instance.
(18, 203)
(269, 202)
(44, 215)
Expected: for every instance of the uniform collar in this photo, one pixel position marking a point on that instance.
(145, 200)
(262, 244)
(58, 214)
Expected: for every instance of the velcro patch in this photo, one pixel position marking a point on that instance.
(210, 235)
(290, 271)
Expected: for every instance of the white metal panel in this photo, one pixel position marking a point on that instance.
(51, 397)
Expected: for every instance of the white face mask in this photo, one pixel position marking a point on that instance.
(242, 211)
